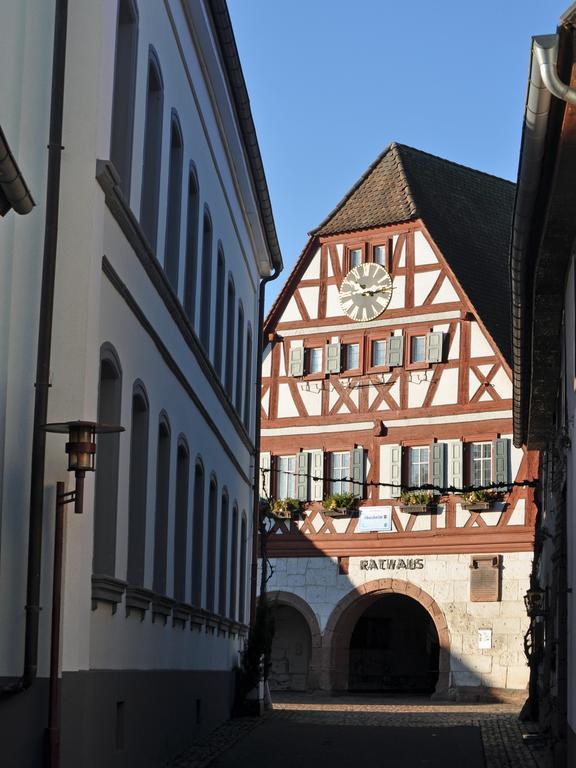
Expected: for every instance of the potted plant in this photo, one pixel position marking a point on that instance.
(476, 501)
(418, 501)
(285, 508)
(340, 504)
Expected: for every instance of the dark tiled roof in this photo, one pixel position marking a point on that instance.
(468, 214)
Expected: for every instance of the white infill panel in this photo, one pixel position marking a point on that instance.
(447, 392)
(479, 344)
(454, 351)
(313, 269)
(423, 284)
(502, 384)
(266, 402)
(291, 313)
(423, 253)
(310, 298)
(286, 405)
(446, 294)
(398, 300)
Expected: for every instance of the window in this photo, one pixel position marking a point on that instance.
(418, 349)
(378, 353)
(351, 357)
(419, 462)
(243, 543)
(380, 254)
(206, 283)
(340, 469)
(162, 498)
(286, 477)
(211, 555)
(137, 493)
(181, 522)
(172, 240)
(481, 458)
(124, 90)
(106, 492)
(230, 315)
(222, 582)
(234, 565)
(218, 336)
(152, 152)
(355, 257)
(198, 535)
(191, 247)
(248, 384)
(239, 359)
(315, 360)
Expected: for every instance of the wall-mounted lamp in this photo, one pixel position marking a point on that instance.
(535, 602)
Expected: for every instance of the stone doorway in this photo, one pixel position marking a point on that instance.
(394, 648)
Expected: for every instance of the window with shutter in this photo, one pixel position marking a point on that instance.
(434, 344)
(501, 463)
(395, 351)
(296, 361)
(437, 451)
(455, 464)
(265, 463)
(317, 472)
(395, 470)
(358, 472)
(333, 358)
(302, 477)
(485, 578)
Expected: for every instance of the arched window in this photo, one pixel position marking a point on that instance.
(211, 554)
(172, 247)
(230, 316)
(206, 283)
(234, 565)
(191, 246)
(219, 319)
(242, 577)
(162, 500)
(137, 493)
(239, 359)
(124, 90)
(248, 383)
(106, 491)
(223, 559)
(198, 535)
(181, 522)
(152, 151)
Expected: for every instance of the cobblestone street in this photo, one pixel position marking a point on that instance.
(304, 731)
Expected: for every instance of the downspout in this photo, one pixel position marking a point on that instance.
(43, 353)
(13, 187)
(257, 441)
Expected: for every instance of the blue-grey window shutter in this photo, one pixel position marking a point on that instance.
(296, 362)
(501, 462)
(395, 351)
(395, 470)
(317, 471)
(455, 464)
(302, 477)
(333, 358)
(358, 472)
(437, 451)
(265, 463)
(434, 344)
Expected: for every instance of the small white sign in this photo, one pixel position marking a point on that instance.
(374, 519)
(484, 638)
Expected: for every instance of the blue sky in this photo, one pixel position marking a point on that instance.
(333, 82)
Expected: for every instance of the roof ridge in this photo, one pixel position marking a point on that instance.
(395, 147)
(451, 162)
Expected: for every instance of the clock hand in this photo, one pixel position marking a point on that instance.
(372, 291)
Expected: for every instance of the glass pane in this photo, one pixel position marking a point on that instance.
(352, 356)
(355, 257)
(315, 359)
(380, 254)
(378, 353)
(418, 349)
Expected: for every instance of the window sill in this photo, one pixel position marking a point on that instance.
(138, 599)
(107, 589)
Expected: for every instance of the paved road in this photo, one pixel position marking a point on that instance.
(279, 743)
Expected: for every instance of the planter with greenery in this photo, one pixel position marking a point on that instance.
(340, 504)
(418, 501)
(285, 508)
(477, 501)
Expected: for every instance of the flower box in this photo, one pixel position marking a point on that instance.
(415, 509)
(477, 506)
(341, 511)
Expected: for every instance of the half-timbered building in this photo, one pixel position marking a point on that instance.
(387, 368)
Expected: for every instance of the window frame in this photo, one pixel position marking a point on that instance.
(345, 340)
(289, 474)
(409, 464)
(370, 339)
(319, 374)
(355, 245)
(332, 483)
(411, 333)
(470, 461)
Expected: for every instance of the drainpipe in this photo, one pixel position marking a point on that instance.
(43, 354)
(256, 509)
(14, 192)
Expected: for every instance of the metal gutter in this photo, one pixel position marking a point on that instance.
(231, 59)
(14, 192)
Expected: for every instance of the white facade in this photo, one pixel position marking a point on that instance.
(112, 294)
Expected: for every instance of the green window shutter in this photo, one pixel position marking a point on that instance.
(296, 361)
(395, 351)
(317, 471)
(302, 477)
(265, 463)
(395, 470)
(500, 462)
(455, 464)
(437, 451)
(358, 472)
(434, 344)
(333, 358)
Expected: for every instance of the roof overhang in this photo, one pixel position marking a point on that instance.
(544, 229)
(14, 192)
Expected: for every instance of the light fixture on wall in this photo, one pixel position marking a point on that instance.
(535, 602)
(81, 450)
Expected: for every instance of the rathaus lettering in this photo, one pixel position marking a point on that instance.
(392, 565)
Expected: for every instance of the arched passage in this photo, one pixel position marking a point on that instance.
(296, 645)
(366, 601)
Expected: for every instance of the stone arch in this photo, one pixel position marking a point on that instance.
(294, 601)
(336, 639)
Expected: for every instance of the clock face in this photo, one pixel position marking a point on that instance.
(365, 292)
